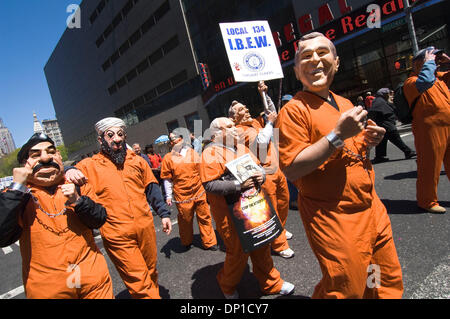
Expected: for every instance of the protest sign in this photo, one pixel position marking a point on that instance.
(251, 51)
(252, 213)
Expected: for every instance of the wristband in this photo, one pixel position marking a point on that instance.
(335, 140)
(18, 187)
(238, 186)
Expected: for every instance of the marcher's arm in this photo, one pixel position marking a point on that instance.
(349, 124)
(426, 77)
(168, 187)
(90, 213)
(223, 188)
(12, 205)
(156, 201)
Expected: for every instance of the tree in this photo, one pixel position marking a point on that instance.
(8, 162)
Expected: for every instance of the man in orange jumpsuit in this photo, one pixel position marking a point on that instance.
(323, 149)
(258, 140)
(223, 149)
(126, 187)
(180, 170)
(431, 123)
(54, 225)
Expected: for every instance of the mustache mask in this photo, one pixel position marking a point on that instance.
(117, 157)
(43, 165)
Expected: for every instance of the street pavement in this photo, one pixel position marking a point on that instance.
(422, 241)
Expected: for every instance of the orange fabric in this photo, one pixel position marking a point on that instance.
(46, 256)
(431, 129)
(275, 185)
(346, 224)
(129, 234)
(185, 175)
(214, 158)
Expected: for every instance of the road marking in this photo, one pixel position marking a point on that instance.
(436, 285)
(7, 250)
(406, 134)
(13, 293)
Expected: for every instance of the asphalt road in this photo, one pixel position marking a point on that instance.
(422, 242)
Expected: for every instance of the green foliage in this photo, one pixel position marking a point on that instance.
(63, 150)
(7, 163)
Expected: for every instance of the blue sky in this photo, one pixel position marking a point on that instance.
(29, 31)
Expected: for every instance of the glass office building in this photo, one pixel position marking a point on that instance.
(370, 58)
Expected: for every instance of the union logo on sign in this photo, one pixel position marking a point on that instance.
(254, 61)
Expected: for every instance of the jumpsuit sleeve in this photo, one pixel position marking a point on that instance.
(156, 201)
(12, 205)
(90, 213)
(426, 77)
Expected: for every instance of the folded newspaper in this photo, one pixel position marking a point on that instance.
(243, 167)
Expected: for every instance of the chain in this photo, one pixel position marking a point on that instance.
(48, 214)
(188, 200)
(46, 227)
(351, 153)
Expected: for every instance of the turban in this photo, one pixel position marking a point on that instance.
(35, 139)
(102, 125)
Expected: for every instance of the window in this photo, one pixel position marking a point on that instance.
(131, 75)
(180, 77)
(106, 65)
(148, 24)
(155, 56)
(127, 8)
(115, 56)
(162, 10)
(124, 47)
(93, 17)
(142, 66)
(172, 125)
(121, 82)
(135, 37)
(99, 41)
(163, 87)
(108, 31)
(190, 119)
(117, 20)
(112, 89)
(150, 95)
(170, 45)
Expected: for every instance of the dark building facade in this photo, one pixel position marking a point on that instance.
(141, 60)
(370, 58)
(131, 59)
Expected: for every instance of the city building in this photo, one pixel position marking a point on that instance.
(51, 128)
(143, 61)
(131, 59)
(7, 144)
(37, 126)
(370, 58)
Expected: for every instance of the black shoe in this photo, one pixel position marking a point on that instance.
(377, 160)
(213, 248)
(410, 155)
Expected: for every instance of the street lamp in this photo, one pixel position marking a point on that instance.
(410, 22)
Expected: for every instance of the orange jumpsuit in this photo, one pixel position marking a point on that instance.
(275, 185)
(431, 129)
(214, 158)
(345, 222)
(50, 246)
(184, 172)
(129, 235)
